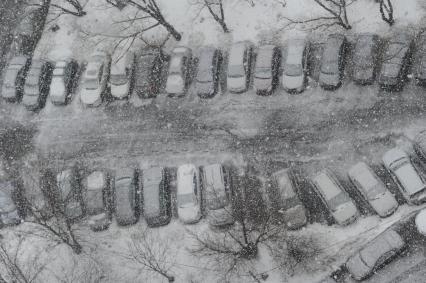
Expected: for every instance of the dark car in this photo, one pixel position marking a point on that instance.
(282, 199)
(14, 78)
(420, 69)
(266, 69)
(396, 62)
(149, 66)
(70, 192)
(333, 62)
(156, 197)
(63, 81)
(365, 58)
(126, 196)
(29, 30)
(207, 80)
(37, 83)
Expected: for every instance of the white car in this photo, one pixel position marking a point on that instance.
(411, 185)
(373, 189)
(188, 194)
(95, 79)
(295, 62)
(122, 76)
(240, 57)
(335, 198)
(179, 71)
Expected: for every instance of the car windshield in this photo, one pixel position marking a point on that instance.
(235, 71)
(293, 70)
(91, 84)
(216, 200)
(9, 79)
(375, 192)
(263, 72)
(31, 81)
(339, 199)
(185, 199)
(329, 66)
(290, 202)
(58, 72)
(118, 79)
(205, 75)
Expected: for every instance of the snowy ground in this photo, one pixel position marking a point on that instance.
(314, 129)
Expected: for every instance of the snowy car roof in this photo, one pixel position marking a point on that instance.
(392, 155)
(96, 180)
(185, 175)
(327, 185)
(295, 50)
(236, 54)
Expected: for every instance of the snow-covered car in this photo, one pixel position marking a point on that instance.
(375, 254)
(420, 68)
(179, 71)
(148, 72)
(420, 145)
(95, 79)
(126, 196)
(63, 81)
(156, 197)
(239, 64)
(207, 79)
(266, 69)
(420, 222)
(121, 79)
(70, 193)
(396, 62)
(295, 65)
(8, 210)
(406, 175)
(36, 87)
(333, 62)
(282, 199)
(97, 196)
(335, 198)
(14, 78)
(373, 189)
(217, 195)
(188, 194)
(365, 58)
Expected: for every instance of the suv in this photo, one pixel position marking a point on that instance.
(266, 69)
(148, 71)
(63, 81)
(37, 84)
(333, 62)
(217, 195)
(126, 196)
(14, 78)
(207, 80)
(335, 198)
(406, 175)
(240, 58)
(179, 71)
(156, 197)
(282, 199)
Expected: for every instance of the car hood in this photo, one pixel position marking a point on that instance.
(120, 91)
(295, 217)
(189, 214)
(384, 205)
(290, 82)
(30, 100)
(390, 70)
(363, 74)
(57, 90)
(262, 84)
(329, 79)
(8, 92)
(220, 217)
(236, 84)
(90, 96)
(357, 268)
(205, 87)
(345, 213)
(175, 84)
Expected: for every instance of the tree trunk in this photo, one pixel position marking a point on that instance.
(176, 35)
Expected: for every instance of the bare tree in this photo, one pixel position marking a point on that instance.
(386, 11)
(233, 249)
(151, 12)
(216, 10)
(71, 7)
(336, 15)
(151, 252)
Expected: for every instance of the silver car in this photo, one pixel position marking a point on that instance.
(295, 65)
(335, 198)
(332, 62)
(266, 69)
(207, 80)
(373, 189)
(14, 78)
(239, 64)
(406, 175)
(377, 252)
(283, 201)
(365, 58)
(96, 197)
(179, 71)
(8, 211)
(217, 195)
(188, 194)
(126, 196)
